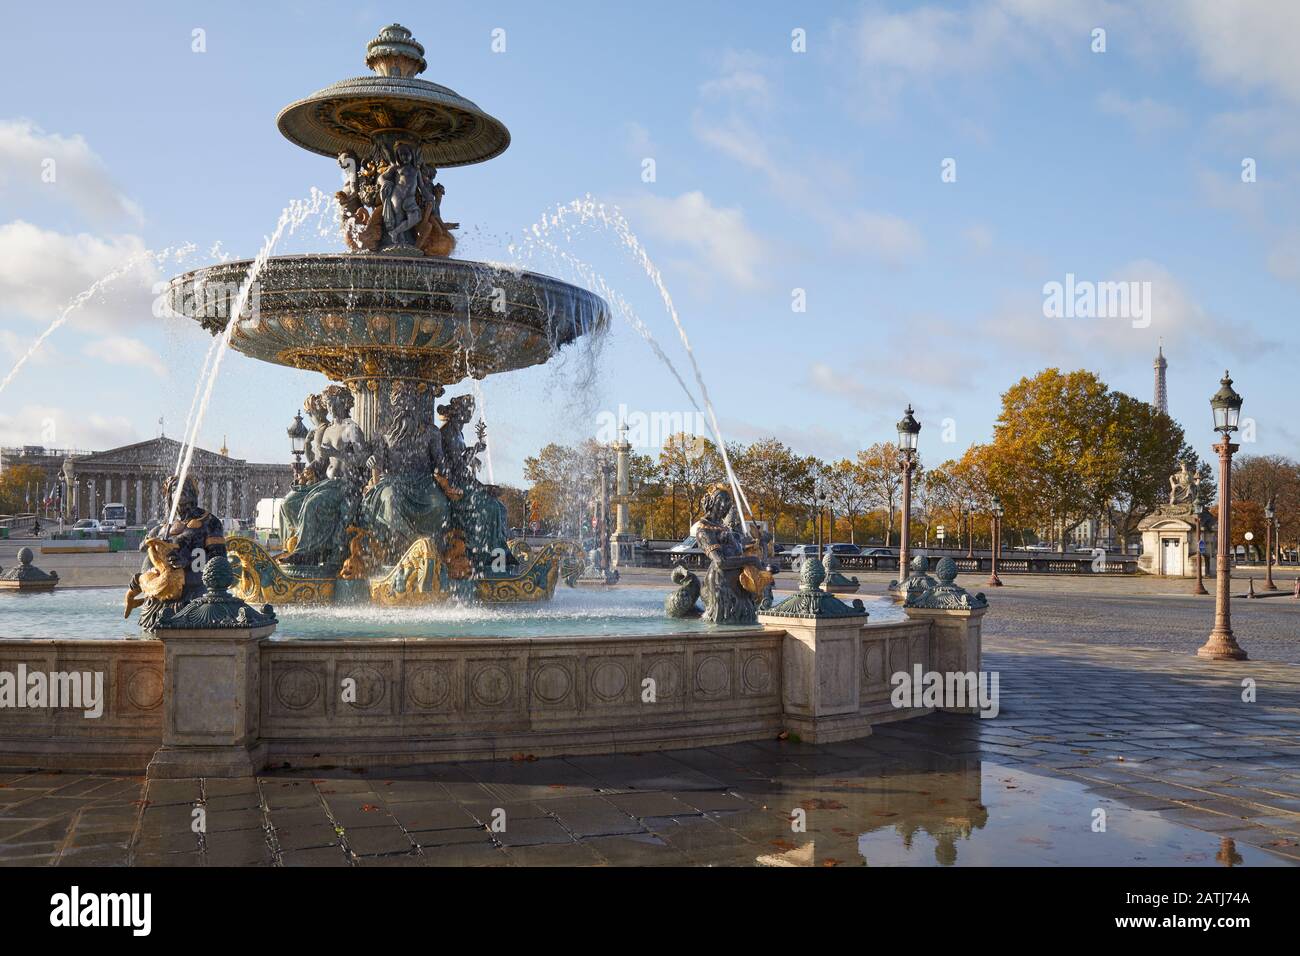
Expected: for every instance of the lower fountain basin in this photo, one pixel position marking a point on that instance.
(356, 315)
(96, 614)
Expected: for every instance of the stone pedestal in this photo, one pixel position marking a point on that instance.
(821, 669)
(210, 703)
(955, 641)
(1169, 542)
(821, 693)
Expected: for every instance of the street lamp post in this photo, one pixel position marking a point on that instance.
(1269, 515)
(1201, 514)
(995, 546)
(297, 433)
(819, 499)
(908, 431)
(1221, 645)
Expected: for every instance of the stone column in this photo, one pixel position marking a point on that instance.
(138, 517)
(230, 498)
(622, 543)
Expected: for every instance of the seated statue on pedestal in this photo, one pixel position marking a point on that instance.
(329, 506)
(404, 501)
(175, 554)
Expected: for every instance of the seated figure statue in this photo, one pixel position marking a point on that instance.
(176, 551)
(475, 509)
(404, 501)
(313, 471)
(329, 506)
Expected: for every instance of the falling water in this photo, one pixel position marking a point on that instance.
(96, 287)
(589, 212)
(293, 215)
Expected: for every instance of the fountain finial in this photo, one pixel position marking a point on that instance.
(394, 52)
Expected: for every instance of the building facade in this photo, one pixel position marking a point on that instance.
(133, 475)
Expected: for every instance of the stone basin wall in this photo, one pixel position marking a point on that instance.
(220, 703)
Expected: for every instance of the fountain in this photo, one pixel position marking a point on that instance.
(390, 509)
(389, 630)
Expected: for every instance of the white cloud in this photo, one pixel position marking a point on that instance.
(890, 239)
(979, 237)
(57, 427)
(122, 350)
(1145, 115)
(42, 270)
(63, 167)
(1246, 44)
(740, 75)
(719, 235)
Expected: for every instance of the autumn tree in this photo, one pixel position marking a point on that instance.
(774, 478)
(845, 493)
(18, 484)
(880, 475)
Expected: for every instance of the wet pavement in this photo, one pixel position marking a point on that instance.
(1099, 756)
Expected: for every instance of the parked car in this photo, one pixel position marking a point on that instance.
(844, 550)
(88, 524)
(878, 553)
(688, 545)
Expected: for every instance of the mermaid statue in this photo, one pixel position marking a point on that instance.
(313, 471)
(405, 500)
(475, 509)
(329, 506)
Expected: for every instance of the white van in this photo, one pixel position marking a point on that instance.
(114, 517)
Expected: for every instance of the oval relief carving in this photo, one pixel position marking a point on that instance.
(144, 688)
(552, 683)
(297, 688)
(608, 680)
(428, 686)
(492, 685)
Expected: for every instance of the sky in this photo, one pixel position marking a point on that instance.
(853, 206)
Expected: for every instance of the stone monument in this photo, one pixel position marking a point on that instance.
(1169, 546)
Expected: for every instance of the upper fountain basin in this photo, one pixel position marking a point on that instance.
(351, 315)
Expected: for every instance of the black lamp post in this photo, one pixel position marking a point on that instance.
(1221, 645)
(298, 442)
(1202, 515)
(909, 429)
(995, 545)
(1269, 516)
(819, 498)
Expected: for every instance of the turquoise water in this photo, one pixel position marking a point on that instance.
(96, 613)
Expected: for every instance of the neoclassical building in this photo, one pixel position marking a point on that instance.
(133, 475)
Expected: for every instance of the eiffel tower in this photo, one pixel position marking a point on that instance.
(1161, 399)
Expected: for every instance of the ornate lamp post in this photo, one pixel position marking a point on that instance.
(908, 431)
(298, 442)
(1202, 514)
(1269, 516)
(819, 497)
(995, 545)
(1221, 645)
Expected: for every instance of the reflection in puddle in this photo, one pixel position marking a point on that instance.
(983, 815)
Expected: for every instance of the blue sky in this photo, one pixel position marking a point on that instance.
(776, 171)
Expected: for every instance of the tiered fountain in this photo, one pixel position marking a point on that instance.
(389, 508)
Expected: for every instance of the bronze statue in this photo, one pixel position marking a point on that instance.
(736, 581)
(329, 506)
(176, 553)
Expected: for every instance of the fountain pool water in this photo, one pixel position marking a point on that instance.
(96, 614)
